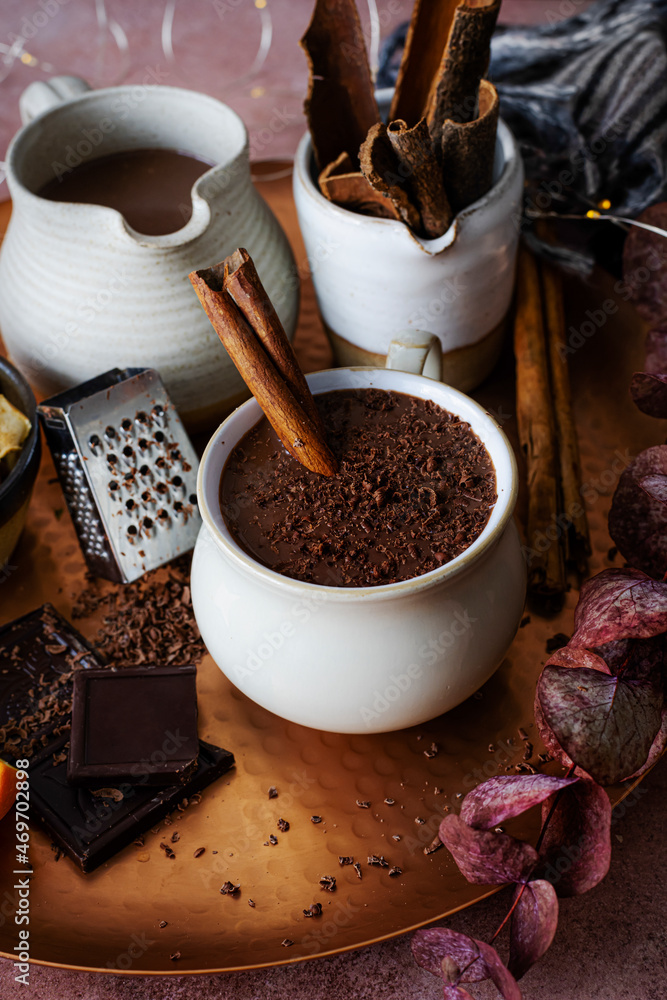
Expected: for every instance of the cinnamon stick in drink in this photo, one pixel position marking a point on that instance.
(242, 282)
(577, 537)
(537, 434)
(245, 342)
(340, 105)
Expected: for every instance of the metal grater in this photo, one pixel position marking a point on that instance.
(127, 469)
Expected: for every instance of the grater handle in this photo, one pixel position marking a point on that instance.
(42, 95)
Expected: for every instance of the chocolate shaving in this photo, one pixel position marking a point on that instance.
(328, 883)
(314, 910)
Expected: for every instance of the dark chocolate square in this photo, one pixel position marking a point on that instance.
(137, 725)
(91, 828)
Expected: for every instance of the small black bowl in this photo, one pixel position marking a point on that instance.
(16, 489)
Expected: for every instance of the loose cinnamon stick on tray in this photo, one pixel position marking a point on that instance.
(257, 350)
(340, 105)
(455, 86)
(424, 46)
(467, 151)
(344, 186)
(537, 434)
(577, 537)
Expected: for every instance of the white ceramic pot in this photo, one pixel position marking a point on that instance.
(367, 659)
(81, 292)
(373, 277)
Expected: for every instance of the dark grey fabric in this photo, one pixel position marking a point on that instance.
(586, 97)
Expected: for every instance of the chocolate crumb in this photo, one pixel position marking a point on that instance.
(229, 889)
(314, 910)
(433, 750)
(198, 853)
(139, 842)
(315, 819)
(328, 883)
(393, 872)
(345, 860)
(273, 792)
(524, 621)
(283, 825)
(251, 902)
(357, 868)
(167, 850)
(163, 923)
(363, 804)
(390, 802)
(273, 840)
(286, 943)
(528, 750)
(396, 836)
(419, 821)
(434, 846)
(175, 837)
(378, 861)
(175, 955)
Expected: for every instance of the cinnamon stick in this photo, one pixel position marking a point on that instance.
(455, 87)
(380, 167)
(340, 105)
(242, 282)
(424, 46)
(342, 185)
(423, 173)
(577, 537)
(537, 434)
(467, 151)
(301, 435)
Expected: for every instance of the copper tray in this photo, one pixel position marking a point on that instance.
(109, 920)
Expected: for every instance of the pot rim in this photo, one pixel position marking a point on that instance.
(482, 423)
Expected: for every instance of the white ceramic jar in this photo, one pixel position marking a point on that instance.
(373, 276)
(81, 292)
(367, 659)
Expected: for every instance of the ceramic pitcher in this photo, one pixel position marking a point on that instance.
(82, 292)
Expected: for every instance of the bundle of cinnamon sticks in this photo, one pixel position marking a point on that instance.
(557, 528)
(435, 155)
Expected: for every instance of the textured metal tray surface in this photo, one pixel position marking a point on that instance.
(110, 920)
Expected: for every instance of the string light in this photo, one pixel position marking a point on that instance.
(594, 215)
